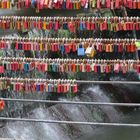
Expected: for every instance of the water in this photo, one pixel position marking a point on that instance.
(117, 133)
(43, 131)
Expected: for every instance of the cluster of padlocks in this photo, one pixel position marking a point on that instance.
(69, 4)
(87, 47)
(71, 24)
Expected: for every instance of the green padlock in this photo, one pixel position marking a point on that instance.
(109, 26)
(13, 45)
(11, 86)
(77, 67)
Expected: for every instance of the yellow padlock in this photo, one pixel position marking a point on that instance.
(8, 4)
(44, 25)
(41, 46)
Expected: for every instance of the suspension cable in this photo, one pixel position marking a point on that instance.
(72, 102)
(69, 122)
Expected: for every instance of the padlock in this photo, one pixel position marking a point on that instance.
(138, 69)
(112, 5)
(37, 87)
(95, 68)
(129, 4)
(71, 5)
(98, 4)
(108, 3)
(74, 88)
(73, 67)
(81, 26)
(67, 48)
(138, 4)
(117, 4)
(88, 25)
(87, 68)
(120, 48)
(8, 4)
(62, 88)
(59, 88)
(2, 105)
(81, 50)
(104, 25)
(107, 69)
(68, 4)
(137, 25)
(116, 68)
(125, 3)
(42, 87)
(134, 4)
(1, 69)
(25, 25)
(65, 88)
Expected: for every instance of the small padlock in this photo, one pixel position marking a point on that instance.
(74, 88)
(2, 105)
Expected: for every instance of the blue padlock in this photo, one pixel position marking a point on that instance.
(80, 51)
(26, 67)
(49, 87)
(62, 49)
(38, 87)
(33, 2)
(81, 26)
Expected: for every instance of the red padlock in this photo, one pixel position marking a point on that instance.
(131, 26)
(74, 88)
(39, 67)
(52, 47)
(125, 3)
(43, 67)
(108, 3)
(128, 48)
(87, 68)
(2, 105)
(2, 45)
(95, 68)
(42, 87)
(134, 4)
(107, 69)
(25, 25)
(73, 46)
(138, 68)
(120, 48)
(129, 4)
(59, 88)
(137, 25)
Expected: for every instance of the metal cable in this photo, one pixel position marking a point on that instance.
(70, 81)
(107, 82)
(69, 122)
(73, 102)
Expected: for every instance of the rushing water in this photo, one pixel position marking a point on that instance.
(117, 133)
(42, 131)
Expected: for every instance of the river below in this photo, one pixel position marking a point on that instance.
(117, 133)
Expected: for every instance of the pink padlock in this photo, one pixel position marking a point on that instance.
(98, 4)
(108, 3)
(27, 3)
(116, 68)
(1, 69)
(56, 25)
